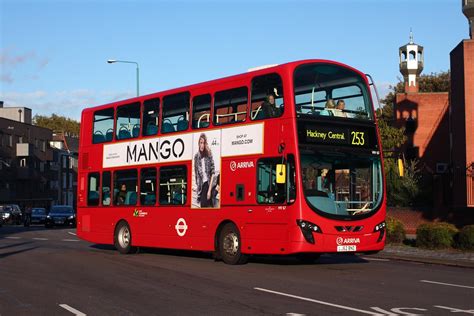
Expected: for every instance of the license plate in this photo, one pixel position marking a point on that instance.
(346, 248)
(59, 222)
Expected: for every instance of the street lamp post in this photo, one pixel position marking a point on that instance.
(111, 61)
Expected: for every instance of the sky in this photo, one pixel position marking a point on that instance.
(53, 54)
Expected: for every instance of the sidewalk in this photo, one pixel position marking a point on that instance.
(450, 257)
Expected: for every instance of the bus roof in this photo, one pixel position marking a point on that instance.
(250, 73)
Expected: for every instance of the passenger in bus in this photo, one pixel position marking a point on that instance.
(339, 110)
(121, 195)
(204, 172)
(328, 108)
(269, 107)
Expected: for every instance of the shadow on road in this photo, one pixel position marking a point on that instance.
(15, 245)
(325, 259)
(9, 230)
(11, 253)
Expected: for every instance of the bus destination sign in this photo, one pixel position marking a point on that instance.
(346, 136)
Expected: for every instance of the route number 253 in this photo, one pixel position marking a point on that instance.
(358, 138)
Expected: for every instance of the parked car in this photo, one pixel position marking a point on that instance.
(38, 215)
(63, 215)
(11, 214)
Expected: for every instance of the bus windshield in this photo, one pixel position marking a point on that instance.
(329, 90)
(341, 184)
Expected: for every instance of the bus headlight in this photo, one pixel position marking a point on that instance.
(307, 229)
(380, 228)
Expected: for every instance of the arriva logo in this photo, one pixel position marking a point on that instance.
(241, 165)
(345, 241)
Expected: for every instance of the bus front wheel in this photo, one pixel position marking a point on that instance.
(230, 245)
(123, 238)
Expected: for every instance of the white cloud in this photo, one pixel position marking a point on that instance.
(10, 60)
(6, 77)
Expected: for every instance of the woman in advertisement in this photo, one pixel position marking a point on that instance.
(204, 171)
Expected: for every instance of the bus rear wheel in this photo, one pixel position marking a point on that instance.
(230, 245)
(123, 238)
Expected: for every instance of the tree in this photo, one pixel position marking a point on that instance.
(57, 124)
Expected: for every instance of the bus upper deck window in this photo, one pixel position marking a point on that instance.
(230, 106)
(201, 111)
(103, 126)
(151, 116)
(175, 112)
(267, 97)
(128, 121)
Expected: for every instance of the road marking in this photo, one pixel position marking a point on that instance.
(72, 310)
(71, 233)
(295, 314)
(375, 259)
(40, 238)
(70, 240)
(13, 237)
(448, 284)
(456, 310)
(318, 302)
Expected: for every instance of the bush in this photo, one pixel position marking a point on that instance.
(395, 231)
(465, 238)
(436, 235)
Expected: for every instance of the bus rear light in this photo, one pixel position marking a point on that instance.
(307, 229)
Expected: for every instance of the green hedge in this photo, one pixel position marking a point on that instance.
(436, 235)
(465, 238)
(395, 231)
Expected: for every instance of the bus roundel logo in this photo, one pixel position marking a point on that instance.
(233, 165)
(181, 227)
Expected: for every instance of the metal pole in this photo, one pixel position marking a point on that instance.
(138, 82)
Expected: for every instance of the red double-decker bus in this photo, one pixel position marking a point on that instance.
(281, 160)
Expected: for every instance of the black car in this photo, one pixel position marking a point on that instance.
(38, 215)
(61, 215)
(11, 214)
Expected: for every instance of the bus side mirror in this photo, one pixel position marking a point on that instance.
(280, 173)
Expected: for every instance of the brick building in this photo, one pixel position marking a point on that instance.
(440, 126)
(462, 123)
(425, 118)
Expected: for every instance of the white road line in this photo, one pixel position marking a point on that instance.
(319, 302)
(9, 237)
(72, 310)
(40, 238)
(448, 284)
(456, 310)
(71, 233)
(70, 240)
